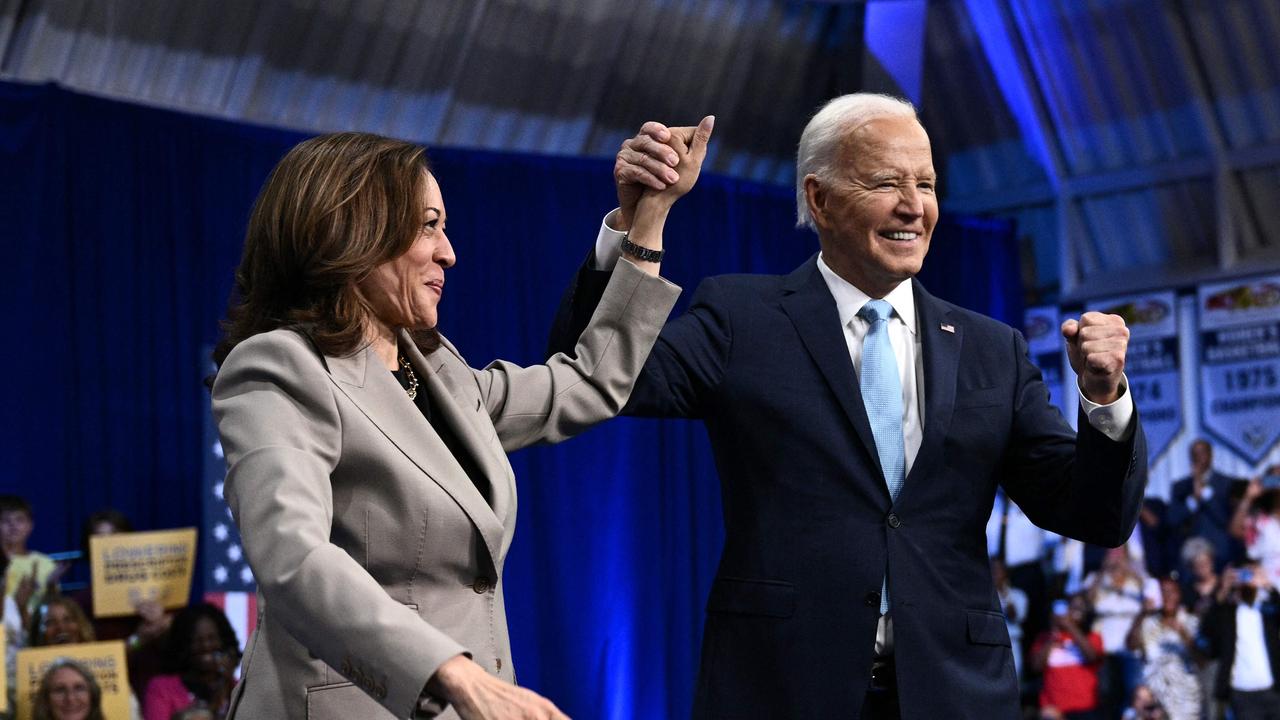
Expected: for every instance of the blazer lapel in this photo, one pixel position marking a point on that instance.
(465, 413)
(941, 336)
(376, 393)
(808, 302)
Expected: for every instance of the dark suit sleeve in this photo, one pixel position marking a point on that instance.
(1083, 485)
(687, 362)
(1179, 514)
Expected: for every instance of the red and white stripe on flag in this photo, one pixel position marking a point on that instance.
(241, 608)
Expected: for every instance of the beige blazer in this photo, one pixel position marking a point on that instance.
(376, 557)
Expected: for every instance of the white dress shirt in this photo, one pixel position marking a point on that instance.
(1251, 670)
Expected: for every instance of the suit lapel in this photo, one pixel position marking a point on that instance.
(941, 350)
(470, 422)
(376, 393)
(808, 302)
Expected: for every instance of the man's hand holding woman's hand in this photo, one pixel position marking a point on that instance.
(659, 162)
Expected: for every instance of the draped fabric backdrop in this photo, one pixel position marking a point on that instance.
(122, 226)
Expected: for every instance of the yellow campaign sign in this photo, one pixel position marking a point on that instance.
(131, 567)
(4, 671)
(104, 659)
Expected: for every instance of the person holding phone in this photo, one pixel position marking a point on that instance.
(1070, 657)
(1242, 631)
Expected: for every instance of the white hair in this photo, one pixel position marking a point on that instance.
(820, 142)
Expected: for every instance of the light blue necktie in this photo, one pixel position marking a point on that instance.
(882, 395)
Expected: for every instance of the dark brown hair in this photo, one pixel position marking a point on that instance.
(334, 208)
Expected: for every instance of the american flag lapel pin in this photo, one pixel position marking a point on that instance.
(947, 327)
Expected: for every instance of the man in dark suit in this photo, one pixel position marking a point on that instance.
(860, 443)
(1201, 505)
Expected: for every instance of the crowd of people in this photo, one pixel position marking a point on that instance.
(1180, 623)
(181, 664)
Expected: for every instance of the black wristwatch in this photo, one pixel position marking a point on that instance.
(641, 253)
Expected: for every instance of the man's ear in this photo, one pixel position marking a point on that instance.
(815, 196)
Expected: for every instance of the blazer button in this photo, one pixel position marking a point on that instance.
(894, 522)
(872, 599)
(481, 585)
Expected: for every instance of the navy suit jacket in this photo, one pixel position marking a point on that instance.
(810, 527)
(1210, 520)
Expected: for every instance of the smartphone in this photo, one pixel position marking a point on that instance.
(1244, 575)
(1060, 607)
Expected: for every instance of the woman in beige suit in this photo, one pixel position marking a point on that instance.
(367, 464)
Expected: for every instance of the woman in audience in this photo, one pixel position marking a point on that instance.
(1118, 593)
(60, 621)
(1201, 585)
(201, 659)
(67, 692)
(1069, 656)
(1164, 640)
(145, 633)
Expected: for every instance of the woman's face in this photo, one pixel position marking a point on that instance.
(404, 292)
(60, 627)
(1202, 565)
(206, 645)
(69, 695)
(1170, 596)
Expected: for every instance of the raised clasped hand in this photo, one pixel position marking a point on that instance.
(1096, 345)
(659, 162)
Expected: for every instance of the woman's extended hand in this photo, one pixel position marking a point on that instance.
(477, 695)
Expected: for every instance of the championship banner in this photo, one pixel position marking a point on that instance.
(1240, 364)
(130, 567)
(104, 659)
(1040, 326)
(1151, 363)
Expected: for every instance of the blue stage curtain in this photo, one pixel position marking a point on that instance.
(122, 228)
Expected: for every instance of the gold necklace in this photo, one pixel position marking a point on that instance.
(412, 390)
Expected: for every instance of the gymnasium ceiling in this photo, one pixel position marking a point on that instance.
(1136, 142)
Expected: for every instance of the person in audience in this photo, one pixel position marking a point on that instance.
(1242, 631)
(145, 633)
(1256, 523)
(15, 635)
(1200, 505)
(1199, 589)
(30, 574)
(60, 621)
(1014, 603)
(68, 691)
(201, 662)
(1118, 592)
(1200, 584)
(1069, 656)
(1164, 639)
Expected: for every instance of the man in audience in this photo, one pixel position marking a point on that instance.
(1243, 632)
(29, 571)
(1201, 505)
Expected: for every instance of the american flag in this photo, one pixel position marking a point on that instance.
(228, 581)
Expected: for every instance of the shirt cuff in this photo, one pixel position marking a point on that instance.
(608, 243)
(1115, 420)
